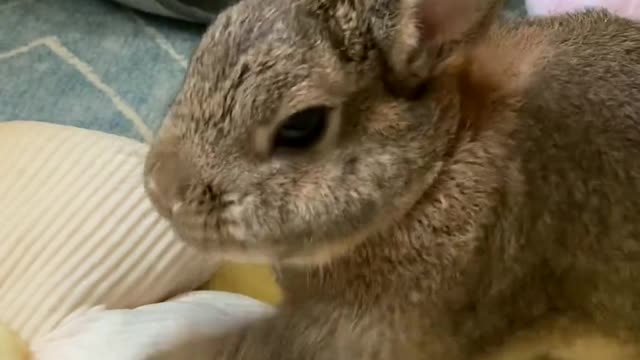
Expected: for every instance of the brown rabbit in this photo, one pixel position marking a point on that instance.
(426, 181)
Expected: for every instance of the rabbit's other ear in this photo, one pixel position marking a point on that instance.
(347, 25)
(418, 35)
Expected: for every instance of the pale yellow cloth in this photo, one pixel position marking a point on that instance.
(253, 280)
(77, 231)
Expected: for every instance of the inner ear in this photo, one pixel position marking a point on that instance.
(421, 34)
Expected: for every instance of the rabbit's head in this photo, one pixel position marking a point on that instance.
(305, 125)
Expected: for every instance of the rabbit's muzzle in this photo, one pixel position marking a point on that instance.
(166, 178)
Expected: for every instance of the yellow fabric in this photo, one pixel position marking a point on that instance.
(256, 281)
(11, 347)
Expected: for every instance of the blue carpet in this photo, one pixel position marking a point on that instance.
(90, 63)
(94, 64)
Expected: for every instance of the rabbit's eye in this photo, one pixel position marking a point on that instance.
(303, 129)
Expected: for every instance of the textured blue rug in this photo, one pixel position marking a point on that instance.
(90, 63)
(94, 64)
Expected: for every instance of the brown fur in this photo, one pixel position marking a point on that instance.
(479, 180)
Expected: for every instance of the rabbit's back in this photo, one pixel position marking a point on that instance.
(578, 148)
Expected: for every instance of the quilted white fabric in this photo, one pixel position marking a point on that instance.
(189, 320)
(77, 231)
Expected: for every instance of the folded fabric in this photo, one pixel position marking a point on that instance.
(77, 230)
(142, 333)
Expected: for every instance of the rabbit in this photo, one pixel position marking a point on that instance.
(425, 179)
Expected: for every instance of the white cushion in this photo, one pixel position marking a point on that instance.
(147, 331)
(77, 231)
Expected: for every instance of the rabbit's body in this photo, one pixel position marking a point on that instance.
(515, 195)
(535, 214)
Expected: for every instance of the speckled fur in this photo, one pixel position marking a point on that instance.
(434, 222)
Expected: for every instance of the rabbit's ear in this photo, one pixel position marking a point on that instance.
(419, 34)
(450, 20)
(347, 25)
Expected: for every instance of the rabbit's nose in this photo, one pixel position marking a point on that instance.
(166, 180)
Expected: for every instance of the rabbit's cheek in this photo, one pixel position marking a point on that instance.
(239, 226)
(190, 224)
(224, 225)
(244, 224)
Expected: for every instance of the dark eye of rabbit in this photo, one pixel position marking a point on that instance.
(302, 130)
